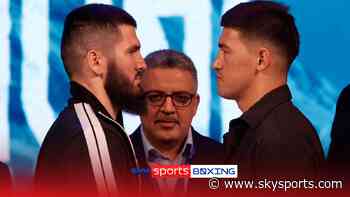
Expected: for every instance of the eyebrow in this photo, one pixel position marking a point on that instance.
(135, 47)
(222, 45)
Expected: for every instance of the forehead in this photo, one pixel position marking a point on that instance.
(168, 79)
(230, 35)
(233, 39)
(127, 35)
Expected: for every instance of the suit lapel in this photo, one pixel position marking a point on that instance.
(150, 184)
(197, 157)
(138, 146)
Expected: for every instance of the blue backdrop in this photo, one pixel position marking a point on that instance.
(34, 86)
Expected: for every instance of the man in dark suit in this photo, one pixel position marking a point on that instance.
(165, 136)
(5, 179)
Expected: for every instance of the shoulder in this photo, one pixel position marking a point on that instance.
(287, 121)
(345, 92)
(64, 136)
(289, 131)
(65, 127)
(340, 134)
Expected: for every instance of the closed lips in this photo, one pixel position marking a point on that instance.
(166, 120)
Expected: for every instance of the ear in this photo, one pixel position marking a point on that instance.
(96, 62)
(196, 100)
(264, 58)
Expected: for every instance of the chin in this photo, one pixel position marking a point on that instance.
(228, 97)
(225, 93)
(167, 140)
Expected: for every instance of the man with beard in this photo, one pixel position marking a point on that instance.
(86, 151)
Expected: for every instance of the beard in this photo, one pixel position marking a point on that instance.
(122, 92)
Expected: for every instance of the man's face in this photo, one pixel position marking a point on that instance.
(169, 120)
(234, 65)
(125, 67)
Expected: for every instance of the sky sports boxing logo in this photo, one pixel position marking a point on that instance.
(189, 171)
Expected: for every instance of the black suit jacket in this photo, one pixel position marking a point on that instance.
(207, 151)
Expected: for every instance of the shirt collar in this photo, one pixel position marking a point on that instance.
(81, 94)
(187, 150)
(257, 113)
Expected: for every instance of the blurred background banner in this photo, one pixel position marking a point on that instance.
(34, 86)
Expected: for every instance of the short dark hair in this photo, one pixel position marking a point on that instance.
(266, 20)
(87, 19)
(168, 58)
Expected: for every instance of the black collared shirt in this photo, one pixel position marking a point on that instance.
(274, 138)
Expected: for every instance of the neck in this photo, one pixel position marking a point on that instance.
(97, 89)
(252, 95)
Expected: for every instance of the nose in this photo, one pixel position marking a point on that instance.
(168, 106)
(217, 64)
(140, 65)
